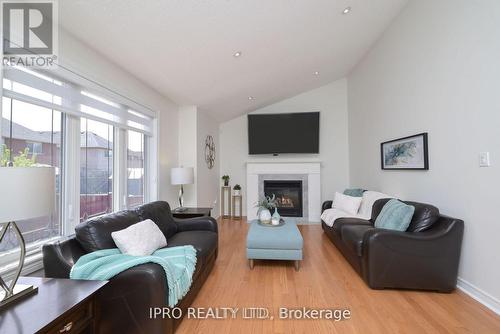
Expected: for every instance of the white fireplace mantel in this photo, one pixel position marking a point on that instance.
(309, 171)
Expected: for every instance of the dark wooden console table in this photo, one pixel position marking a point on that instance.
(192, 213)
(60, 306)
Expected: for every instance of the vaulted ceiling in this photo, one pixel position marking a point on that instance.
(185, 48)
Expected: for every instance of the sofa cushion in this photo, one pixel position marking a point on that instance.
(341, 222)
(95, 234)
(160, 213)
(205, 242)
(352, 236)
(424, 217)
(377, 207)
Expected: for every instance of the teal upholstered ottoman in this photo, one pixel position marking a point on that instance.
(274, 243)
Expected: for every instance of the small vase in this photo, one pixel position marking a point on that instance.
(275, 219)
(226, 183)
(265, 216)
(237, 192)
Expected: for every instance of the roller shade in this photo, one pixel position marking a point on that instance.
(38, 88)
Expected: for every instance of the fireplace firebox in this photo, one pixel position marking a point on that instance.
(288, 195)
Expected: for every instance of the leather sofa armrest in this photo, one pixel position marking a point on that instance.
(196, 224)
(326, 205)
(415, 260)
(130, 295)
(147, 276)
(60, 256)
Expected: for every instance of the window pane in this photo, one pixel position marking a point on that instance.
(135, 168)
(31, 137)
(96, 168)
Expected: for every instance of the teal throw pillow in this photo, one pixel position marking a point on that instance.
(354, 192)
(395, 215)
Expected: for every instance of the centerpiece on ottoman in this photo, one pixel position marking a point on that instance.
(265, 205)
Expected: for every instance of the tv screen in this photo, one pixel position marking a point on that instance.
(283, 133)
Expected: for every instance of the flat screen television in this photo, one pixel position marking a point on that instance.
(283, 133)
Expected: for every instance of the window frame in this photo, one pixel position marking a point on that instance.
(70, 167)
(145, 161)
(10, 255)
(34, 145)
(113, 208)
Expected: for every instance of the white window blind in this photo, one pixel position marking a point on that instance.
(37, 88)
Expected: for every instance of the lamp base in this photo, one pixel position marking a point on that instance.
(20, 291)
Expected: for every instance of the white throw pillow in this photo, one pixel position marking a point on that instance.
(140, 239)
(369, 197)
(348, 204)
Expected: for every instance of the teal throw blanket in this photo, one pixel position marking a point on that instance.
(178, 262)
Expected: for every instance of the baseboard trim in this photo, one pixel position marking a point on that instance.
(476, 293)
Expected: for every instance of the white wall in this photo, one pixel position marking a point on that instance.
(188, 116)
(194, 126)
(331, 101)
(83, 60)
(437, 69)
(208, 179)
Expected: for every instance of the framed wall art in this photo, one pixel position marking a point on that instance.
(408, 153)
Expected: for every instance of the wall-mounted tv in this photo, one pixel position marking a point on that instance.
(283, 133)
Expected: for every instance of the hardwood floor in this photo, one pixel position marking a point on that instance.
(325, 280)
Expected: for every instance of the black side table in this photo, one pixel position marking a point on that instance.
(192, 213)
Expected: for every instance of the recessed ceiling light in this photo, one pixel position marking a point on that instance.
(237, 54)
(346, 10)
(251, 98)
(316, 73)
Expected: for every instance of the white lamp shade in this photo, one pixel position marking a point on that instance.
(182, 175)
(26, 192)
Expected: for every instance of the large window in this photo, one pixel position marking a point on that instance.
(135, 168)
(31, 137)
(96, 168)
(97, 144)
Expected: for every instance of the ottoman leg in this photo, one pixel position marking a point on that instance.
(250, 262)
(297, 265)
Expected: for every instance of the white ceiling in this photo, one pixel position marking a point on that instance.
(184, 48)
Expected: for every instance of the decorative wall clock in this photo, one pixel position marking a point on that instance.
(210, 151)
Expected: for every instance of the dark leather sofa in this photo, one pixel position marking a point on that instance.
(126, 300)
(425, 257)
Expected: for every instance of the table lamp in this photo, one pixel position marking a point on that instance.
(25, 193)
(181, 176)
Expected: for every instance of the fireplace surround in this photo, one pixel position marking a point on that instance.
(307, 172)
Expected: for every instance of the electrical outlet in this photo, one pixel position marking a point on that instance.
(484, 159)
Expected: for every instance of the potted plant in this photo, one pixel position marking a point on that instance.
(265, 206)
(237, 189)
(226, 180)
